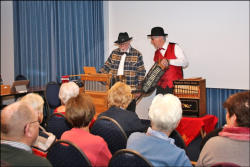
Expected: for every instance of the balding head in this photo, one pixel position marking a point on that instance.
(15, 119)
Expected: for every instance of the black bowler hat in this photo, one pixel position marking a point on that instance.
(157, 31)
(123, 37)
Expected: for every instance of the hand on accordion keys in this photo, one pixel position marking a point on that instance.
(165, 63)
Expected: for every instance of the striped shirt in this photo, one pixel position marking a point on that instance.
(134, 70)
(17, 145)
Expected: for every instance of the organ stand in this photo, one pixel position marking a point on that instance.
(192, 93)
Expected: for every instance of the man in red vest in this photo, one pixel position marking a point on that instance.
(171, 56)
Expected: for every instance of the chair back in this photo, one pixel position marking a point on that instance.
(51, 95)
(57, 124)
(64, 153)
(179, 142)
(110, 130)
(20, 77)
(127, 157)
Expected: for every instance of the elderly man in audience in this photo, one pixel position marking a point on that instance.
(232, 144)
(19, 130)
(44, 139)
(165, 113)
(80, 111)
(119, 97)
(67, 90)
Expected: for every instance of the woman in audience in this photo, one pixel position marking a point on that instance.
(165, 113)
(119, 97)
(232, 144)
(79, 112)
(67, 90)
(44, 139)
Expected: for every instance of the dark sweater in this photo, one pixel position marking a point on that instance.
(128, 120)
(17, 157)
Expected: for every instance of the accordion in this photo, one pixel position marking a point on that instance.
(152, 77)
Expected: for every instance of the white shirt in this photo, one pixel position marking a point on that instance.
(121, 65)
(181, 59)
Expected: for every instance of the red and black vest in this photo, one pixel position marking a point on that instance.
(173, 72)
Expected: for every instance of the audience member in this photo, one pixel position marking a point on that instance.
(19, 130)
(45, 139)
(165, 113)
(232, 144)
(211, 134)
(67, 90)
(119, 97)
(80, 111)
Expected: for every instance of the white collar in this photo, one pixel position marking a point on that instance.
(160, 135)
(165, 45)
(17, 145)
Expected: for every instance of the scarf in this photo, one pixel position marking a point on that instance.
(236, 133)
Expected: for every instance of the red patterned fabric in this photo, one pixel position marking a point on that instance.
(190, 127)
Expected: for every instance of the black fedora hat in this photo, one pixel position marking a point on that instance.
(157, 31)
(123, 37)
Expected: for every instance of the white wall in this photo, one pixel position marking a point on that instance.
(7, 45)
(214, 35)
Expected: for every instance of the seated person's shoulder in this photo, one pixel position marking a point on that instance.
(40, 161)
(96, 139)
(22, 157)
(136, 135)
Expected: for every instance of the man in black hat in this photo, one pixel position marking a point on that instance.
(126, 61)
(171, 56)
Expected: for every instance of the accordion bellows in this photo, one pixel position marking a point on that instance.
(152, 78)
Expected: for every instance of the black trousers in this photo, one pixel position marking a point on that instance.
(160, 90)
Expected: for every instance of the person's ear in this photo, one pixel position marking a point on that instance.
(40, 117)
(27, 130)
(233, 119)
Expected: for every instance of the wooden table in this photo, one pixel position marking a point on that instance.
(39, 90)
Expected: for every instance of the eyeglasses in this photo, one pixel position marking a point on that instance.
(30, 123)
(33, 122)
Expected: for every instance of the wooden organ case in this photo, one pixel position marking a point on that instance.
(192, 93)
(97, 85)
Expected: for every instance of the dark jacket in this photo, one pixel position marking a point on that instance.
(17, 157)
(128, 120)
